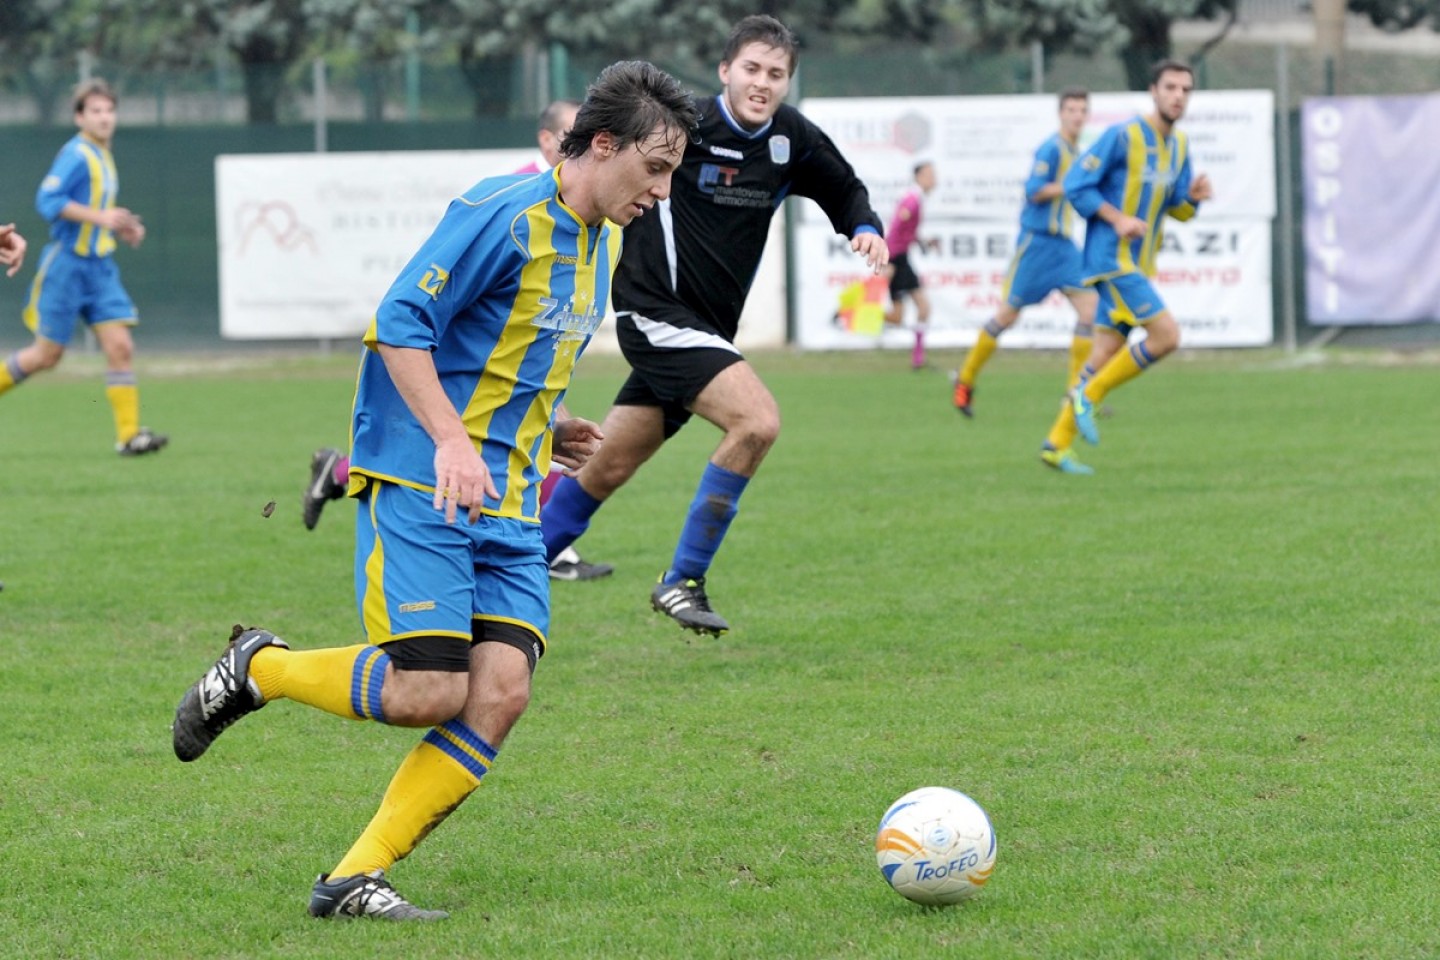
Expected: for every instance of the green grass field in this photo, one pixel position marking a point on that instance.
(1196, 692)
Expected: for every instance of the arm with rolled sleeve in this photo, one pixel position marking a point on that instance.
(1181, 207)
(1041, 185)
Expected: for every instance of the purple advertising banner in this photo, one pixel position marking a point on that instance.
(1372, 209)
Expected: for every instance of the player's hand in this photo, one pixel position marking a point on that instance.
(1130, 228)
(1200, 190)
(461, 479)
(576, 441)
(872, 247)
(12, 249)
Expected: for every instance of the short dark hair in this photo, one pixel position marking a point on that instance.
(550, 116)
(629, 100)
(1166, 66)
(1074, 93)
(94, 87)
(921, 165)
(760, 28)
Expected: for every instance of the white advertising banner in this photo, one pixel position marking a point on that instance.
(309, 243)
(1214, 276)
(983, 147)
(1214, 271)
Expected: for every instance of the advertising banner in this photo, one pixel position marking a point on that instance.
(1372, 211)
(1215, 278)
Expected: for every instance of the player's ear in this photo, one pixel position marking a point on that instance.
(724, 71)
(603, 145)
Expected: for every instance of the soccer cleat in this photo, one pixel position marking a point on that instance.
(1064, 461)
(568, 566)
(964, 395)
(322, 485)
(223, 695)
(364, 895)
(144, 441)
(1084, 412)
(686, 603)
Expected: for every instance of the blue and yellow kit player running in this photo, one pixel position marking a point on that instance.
(454, 427)
(1135, 175)
(77, 276)
(1045, 258)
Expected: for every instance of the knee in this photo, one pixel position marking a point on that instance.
(760, 431)
(120, 355)
(45, 356)
(423, 698)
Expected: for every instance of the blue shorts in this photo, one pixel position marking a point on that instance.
(1042, 262)
(418, 576)
(1127, 300)
(68, 286)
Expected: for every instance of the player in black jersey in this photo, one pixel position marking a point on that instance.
(678, 293)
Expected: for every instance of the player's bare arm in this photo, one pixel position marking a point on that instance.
(1126, 226)
(1048, 192)
(12, 249)
(461, 477)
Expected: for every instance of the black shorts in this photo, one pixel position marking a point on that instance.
(669, 365)
(903, 279)
(452, 654)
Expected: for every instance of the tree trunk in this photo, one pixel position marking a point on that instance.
(262, 92)
(1149, 43)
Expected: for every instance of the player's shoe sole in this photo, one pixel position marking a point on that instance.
(1065, 462)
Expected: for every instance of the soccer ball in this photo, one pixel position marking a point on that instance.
(935, 846)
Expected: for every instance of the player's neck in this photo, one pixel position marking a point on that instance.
(89, 138)
(576, 190)
(1161, 125)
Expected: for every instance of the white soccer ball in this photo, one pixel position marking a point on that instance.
(935, 846)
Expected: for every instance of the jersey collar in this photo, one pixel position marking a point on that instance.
(736, 125)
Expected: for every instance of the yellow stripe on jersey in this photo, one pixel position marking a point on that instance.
(1156, 205)
(502, 370)
(106, 246)
(1134, 189)
(1067, 212)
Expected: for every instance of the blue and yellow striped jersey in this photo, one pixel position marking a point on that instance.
(1053, 160)
(1141, 174)
(83, 171)
(506, 294)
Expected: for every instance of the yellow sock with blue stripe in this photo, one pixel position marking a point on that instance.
(345, 681)
(124, 397)
(985, 346)
(432, 781)
(1125, 366)
(1080, 345)
(10, 373)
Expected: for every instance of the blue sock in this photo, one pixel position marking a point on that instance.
(566, 516)
(715, 505)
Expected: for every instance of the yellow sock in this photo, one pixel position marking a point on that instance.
(345, 681)
(125, 402)
(1063, 431)
(432, 781)
(1127, 364)
(1080, 346)
(10, 372)
(979, 354)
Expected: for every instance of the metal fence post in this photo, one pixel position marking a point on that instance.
(1287, 276)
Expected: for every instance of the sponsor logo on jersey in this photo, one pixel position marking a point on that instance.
(726, 152)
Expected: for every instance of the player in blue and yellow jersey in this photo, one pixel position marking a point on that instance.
(1136, 174)
(77, 276)
(679, 294)
(455, 419)
(1045, 258)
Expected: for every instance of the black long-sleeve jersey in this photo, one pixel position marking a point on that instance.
(691, 260)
